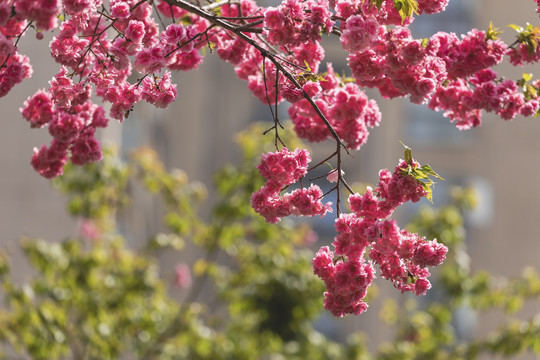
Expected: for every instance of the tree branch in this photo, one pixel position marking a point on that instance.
(239, 31)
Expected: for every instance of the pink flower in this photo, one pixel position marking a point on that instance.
(429, 253)
(135, 31)
(6, 46)
(292, 94)
(333, 176)
(49, 162)
(65, 127)
(421, 286)
(89, 230)
(274, 19)
(120, 10)
(38, 109)
(150, 60)
(432, 6)
(174, 34)
(182, 276)
(5, 12)
(160, 93)
(85, 149)
(358, 32)
(42, 12)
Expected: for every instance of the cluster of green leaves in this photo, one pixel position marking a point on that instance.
(529, 35)
(493, 32)
(420, 173)
(527, 86)
(98, 190)
(91, 303)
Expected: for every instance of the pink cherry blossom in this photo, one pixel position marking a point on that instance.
(182, 276)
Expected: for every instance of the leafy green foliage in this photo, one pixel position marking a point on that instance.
(406, 8)
(493, 32)
(97, 190)
(530, 36)
(93, 303)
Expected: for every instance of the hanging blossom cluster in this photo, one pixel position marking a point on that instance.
(72, 120)
(346, 107)
(403, 258)
(281, 169)
(463, 101)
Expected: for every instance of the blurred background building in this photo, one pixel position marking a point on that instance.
(196, 134)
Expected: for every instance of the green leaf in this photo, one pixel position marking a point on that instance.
(307, 66)
(493, 32)
(406, 8)
(429, 171)
(516, 28)
(421, 174)
(407, 154)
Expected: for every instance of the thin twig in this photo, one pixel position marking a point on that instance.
(218, 4)
(344, 182)
(199, 35)
(322, 162)
(159, 15)
(340, 177)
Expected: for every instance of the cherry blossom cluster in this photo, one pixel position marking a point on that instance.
(523, 54)
(431, 6)
(399, 65)
(464, 57)
(281, 169)
(402, 257)
(72, 119)
(346, 282)
(296, 22)
(386, 14)
(43, 12)
(14, 67)
(463, 101)
(97, 45)
(346, 107)
(265, 81)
